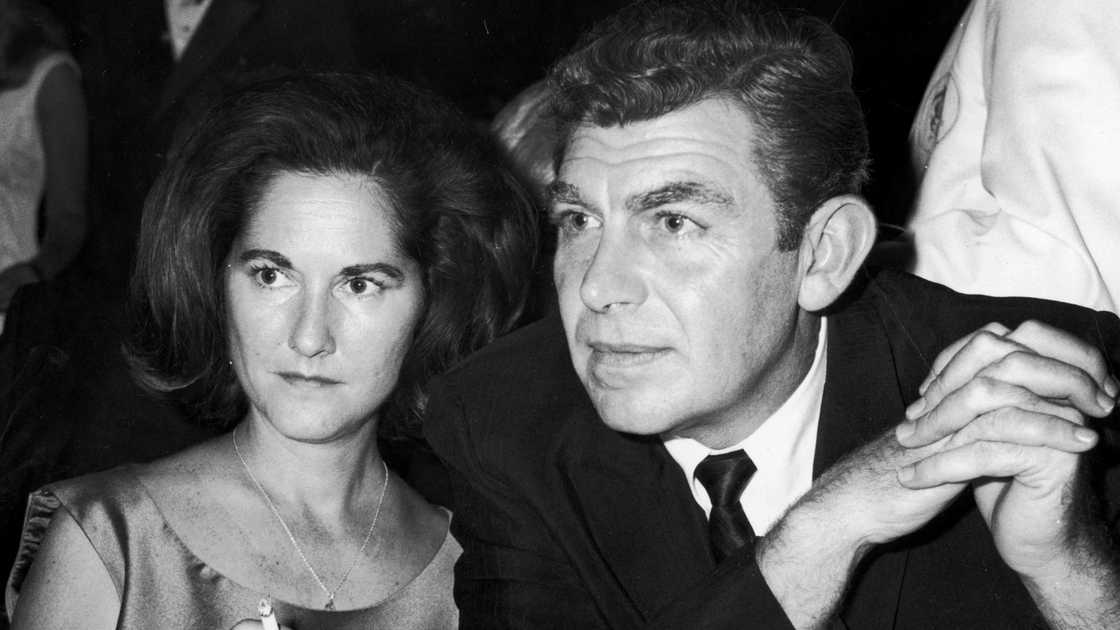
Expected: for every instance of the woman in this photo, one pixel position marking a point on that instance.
(42, 150)
(317, 249)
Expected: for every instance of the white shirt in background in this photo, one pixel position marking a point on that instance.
(1015, 144)
(183, 17)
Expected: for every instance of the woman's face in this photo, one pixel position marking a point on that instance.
(322, 305)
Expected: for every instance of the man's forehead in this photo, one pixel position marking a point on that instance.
(709, 143)
(711, 129)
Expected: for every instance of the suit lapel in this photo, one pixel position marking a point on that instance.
(874, 367)
(639, 512)
(220, 25)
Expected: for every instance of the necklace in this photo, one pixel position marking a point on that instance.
(369, 534)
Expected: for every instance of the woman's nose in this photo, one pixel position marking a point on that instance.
(311, 335)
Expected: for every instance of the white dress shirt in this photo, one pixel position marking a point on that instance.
(183, 17)
(782, 450)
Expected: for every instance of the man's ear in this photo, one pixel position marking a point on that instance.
(836, 241)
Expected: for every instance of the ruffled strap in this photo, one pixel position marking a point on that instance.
(41, 506)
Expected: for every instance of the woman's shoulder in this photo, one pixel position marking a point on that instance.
(105, 506)
(116, 490)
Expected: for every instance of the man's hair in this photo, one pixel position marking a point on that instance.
(457, 212)
(790, 73)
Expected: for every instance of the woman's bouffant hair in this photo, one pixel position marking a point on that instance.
(458, 213)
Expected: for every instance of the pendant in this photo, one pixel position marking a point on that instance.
(330, 602)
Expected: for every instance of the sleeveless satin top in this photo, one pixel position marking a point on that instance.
(161, 583)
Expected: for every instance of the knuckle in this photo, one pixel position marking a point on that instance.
(1095, 364)
(996, 327)
(986, 341)
(985, 450)
(982, 389)
(1010, 363)
(1031, 327)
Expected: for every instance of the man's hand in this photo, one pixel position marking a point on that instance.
(1005, 410)
(809, 556)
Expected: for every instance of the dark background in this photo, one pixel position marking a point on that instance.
(482, 52)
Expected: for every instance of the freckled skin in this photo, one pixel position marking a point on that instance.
(681, 313)
(321, 317)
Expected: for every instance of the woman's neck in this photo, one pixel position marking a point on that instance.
(325, 479)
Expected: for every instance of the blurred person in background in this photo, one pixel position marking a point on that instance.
(1013, 147)
(42, 150)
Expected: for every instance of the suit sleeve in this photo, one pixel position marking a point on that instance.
(734, 596)
(512, 574)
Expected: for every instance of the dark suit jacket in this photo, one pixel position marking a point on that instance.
(567, 524)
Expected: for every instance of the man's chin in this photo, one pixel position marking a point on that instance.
(633, 418)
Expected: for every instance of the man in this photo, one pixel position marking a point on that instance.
(733, 447)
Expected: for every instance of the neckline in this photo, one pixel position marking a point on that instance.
(278, 603)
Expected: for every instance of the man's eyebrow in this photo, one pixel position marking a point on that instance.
(392, 271)
(676, 192)
(276, 258)
(563, 192)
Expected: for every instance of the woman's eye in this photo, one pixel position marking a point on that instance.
(361, 286)
(269, 276)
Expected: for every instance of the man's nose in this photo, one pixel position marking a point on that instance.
(613, 278)
(311, 333)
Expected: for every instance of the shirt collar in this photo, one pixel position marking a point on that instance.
(782, 449)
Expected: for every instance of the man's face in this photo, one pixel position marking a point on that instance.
(681, 313)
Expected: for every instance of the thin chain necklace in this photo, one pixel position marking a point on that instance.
(369, 534)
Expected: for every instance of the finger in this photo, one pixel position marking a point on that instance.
(1018, 364)
(985, 459)
(982, 349)
(1053, 378)
(1059, 344)
(1026, 428)
(979, 396)
(946, 355)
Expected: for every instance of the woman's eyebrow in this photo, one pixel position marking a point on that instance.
(276, 258)
(392, 271)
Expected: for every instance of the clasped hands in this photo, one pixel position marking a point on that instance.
(1004, 411)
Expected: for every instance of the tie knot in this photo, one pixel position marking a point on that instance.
(725, 476)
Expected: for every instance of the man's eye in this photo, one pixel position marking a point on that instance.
(676, 223)
(573, 221)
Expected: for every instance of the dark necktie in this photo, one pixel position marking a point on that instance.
(724, 477)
